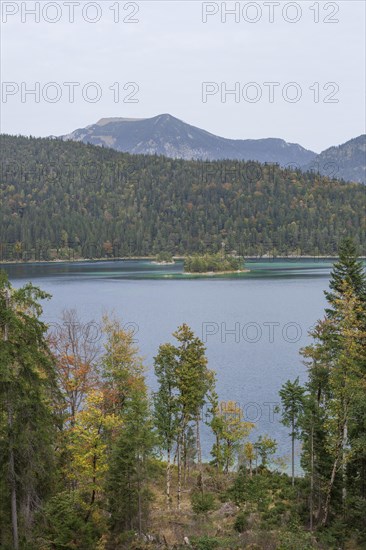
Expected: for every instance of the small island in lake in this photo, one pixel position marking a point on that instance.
(164, 258)
(214, 264)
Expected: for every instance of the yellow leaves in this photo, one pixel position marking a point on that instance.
(230, 407)
(249, 451)
(234, 427)
(88, 441)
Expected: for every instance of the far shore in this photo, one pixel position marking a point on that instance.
(153, 261)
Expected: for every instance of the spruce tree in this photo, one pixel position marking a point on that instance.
(350, 269)
(27, 390)
(333, 424)
(292, 397)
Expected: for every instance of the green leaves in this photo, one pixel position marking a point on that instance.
(333, 421)
(292, 397)
(27, 390)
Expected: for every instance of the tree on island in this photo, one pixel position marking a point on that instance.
(213, 263)
(164, 258)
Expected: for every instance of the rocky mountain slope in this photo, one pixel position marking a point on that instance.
(171, 137)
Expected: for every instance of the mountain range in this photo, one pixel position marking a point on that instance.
(168, 136)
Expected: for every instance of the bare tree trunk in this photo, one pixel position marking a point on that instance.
(199, 453)
(94, 481)
(179, 460)
(340, 453)
(141, 466)
(139, 507)
(311, 476)
(218, 453)
(183, 451)
(329, 492)
(293, 453)
(168, 479)
(13, 489)
(226, 469)
(331, 482)
(344, 468)
(251, 467)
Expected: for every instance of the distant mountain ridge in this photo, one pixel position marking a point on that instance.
(171, 137)
(346, 161)
(168, 136)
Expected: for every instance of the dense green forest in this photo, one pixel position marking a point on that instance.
(90, 459)
(65, 199)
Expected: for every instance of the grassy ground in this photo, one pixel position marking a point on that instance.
(236, 512)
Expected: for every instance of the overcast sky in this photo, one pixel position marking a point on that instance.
(181, 65)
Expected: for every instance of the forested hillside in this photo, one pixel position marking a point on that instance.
(56, 196)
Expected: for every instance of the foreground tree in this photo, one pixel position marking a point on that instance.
(166, 405)
(231, 431)
(350, 270)
(265, 447)
(249, 456)
(127, 487)
(334, 429)
(292, 397)
(193, 383)
(184, 383)
(88, 448)
(27, 391)
(132, 443)
(76, 351)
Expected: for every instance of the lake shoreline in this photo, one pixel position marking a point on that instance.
(213, 273)
(151, 259)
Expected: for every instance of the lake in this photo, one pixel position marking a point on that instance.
(253, 324)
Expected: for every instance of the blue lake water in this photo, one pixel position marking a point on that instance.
(253, 324)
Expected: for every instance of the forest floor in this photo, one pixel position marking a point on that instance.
(262, 515)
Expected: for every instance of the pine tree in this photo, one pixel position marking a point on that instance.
(128, 477)
(27, 390)
(166, 406)
(335, 407)
(292, 397)
(347, 269)
(347, 384)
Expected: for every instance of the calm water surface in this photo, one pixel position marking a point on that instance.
(253, 324)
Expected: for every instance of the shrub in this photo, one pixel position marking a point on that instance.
(202, 503)
(62, 524)
(206, 543)
(290, 540)
(241, 522)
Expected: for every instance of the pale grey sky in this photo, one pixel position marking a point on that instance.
(170, 52)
